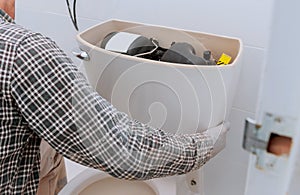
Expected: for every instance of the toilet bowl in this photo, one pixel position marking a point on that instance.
(177, 98)
(94, 182)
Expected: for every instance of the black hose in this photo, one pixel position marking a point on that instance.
(73, 16)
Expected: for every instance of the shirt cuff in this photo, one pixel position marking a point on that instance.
(204, 144)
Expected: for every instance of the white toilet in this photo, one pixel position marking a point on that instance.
(94, 182)
(178, 98)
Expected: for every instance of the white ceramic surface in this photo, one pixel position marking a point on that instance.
(89, 182)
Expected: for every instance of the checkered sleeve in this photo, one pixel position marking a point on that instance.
(62, 108)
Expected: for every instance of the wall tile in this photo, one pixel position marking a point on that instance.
(224, 178)
(234, 151)
(57, 27)
(294, 186)
(248, 20)
(227, 172)
(247, 92)
(54, 6)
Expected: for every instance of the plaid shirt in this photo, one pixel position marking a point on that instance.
(43, 95)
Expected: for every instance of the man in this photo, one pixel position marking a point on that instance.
(44, 96)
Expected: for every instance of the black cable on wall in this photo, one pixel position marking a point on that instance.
(73, 16)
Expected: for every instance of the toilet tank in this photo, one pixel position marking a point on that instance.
(178, 98)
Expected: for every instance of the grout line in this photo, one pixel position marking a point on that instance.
(241, 110)
(255, 47)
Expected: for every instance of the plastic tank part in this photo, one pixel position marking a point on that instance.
(179, 98)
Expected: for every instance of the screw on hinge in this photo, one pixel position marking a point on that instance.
(193, 182)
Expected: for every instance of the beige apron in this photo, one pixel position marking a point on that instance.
(53, 172)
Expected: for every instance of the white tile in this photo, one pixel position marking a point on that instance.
(247, 91)
(227, 172)
(234, 151)
(57, 27)
(98, 10)
(222, 178)
(249, 20)
(294, 186)
(54, 6)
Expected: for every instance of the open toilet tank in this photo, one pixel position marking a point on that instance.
(178, 98)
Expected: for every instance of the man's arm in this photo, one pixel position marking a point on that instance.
(62, 108)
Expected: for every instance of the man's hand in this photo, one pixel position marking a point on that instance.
(218, 135)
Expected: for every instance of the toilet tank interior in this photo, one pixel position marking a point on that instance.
(165, 36)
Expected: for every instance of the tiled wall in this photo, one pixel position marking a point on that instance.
(249, 20)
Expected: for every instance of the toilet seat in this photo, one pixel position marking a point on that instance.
(92, 182)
